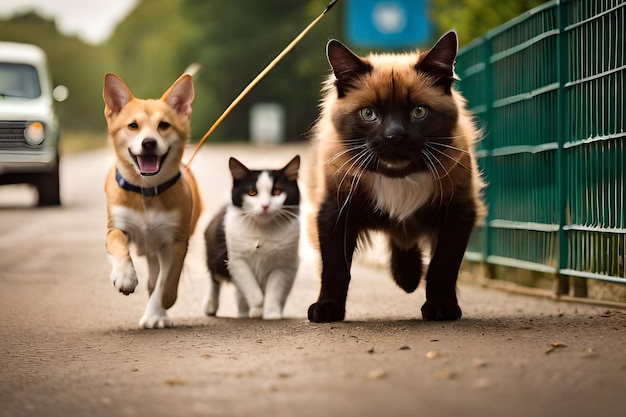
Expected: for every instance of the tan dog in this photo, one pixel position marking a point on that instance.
(153, 201)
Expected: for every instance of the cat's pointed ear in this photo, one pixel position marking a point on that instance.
(115, 94)
(237, 169)
(291, 169)
(438, 62)
(346, 65)
(180, 95)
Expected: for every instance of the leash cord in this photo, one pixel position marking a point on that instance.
(258, 78)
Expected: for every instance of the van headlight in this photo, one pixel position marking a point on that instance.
(34, 133)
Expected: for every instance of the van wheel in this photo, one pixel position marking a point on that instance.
(48, 188)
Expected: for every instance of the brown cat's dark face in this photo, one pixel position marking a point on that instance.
(396, 114)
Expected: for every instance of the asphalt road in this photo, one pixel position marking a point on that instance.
(70, 346)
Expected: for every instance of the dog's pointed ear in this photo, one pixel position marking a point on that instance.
(180, 95)
(115, 93)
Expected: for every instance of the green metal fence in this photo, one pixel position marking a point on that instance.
(548, 89)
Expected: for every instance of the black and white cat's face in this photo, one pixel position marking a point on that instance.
(396, 113)
(265, 195)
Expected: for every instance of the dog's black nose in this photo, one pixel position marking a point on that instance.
(149, 144)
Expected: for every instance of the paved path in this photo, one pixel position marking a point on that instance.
(69, 345)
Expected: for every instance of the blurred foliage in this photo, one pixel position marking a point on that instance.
(472, 18)
(72, 63)
(146, 47)
(233, 41)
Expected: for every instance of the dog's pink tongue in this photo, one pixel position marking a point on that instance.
(148, 164)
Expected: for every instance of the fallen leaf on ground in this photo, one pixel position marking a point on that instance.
(376, 374)
(589, 353)
(482, 383)
(432, 354)
(174, 382)
(480, 363)
(555, 345)
(447, 374)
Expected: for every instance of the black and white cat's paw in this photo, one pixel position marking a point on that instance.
(326, 312)
(210, 306)
(255, 312)
(272, 311)
(441, 310)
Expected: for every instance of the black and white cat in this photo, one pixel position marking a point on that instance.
(253, 241)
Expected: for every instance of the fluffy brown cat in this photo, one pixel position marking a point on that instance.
(394, 147)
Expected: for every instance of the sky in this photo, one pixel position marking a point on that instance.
(91, 20)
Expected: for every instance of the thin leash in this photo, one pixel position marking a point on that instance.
(258, 78)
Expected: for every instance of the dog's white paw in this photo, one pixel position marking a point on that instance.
(155, 320)
(124, 278)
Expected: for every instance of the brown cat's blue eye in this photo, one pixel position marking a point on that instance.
(252, 192)
(164, 125)
(369, 114)
(133, 125)
(419, 112)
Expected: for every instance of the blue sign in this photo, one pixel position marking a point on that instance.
(387, 23)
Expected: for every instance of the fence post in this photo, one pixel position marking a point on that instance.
(488, 148)
(562, 280)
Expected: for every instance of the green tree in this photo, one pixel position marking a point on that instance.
(145, 48)
(234, 41)
(472, 18)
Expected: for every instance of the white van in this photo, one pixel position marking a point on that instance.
(29, 132)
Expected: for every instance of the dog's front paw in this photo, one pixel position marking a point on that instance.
(441, 310)
(124, 278)
(326, 311)
(155, 320)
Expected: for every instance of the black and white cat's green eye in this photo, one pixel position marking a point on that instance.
(419, 112)
(369, 114)
(252, 192)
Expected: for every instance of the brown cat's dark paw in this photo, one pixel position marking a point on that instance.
(326, 312)
(441, 310)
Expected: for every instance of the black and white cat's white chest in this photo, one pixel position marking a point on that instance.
(260, 242)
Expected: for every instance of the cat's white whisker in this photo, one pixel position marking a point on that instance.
(358, 161)
(447, 175)
(433, 171)
(456, 161)
(351, 162)
(445, 145)
(345, 151)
